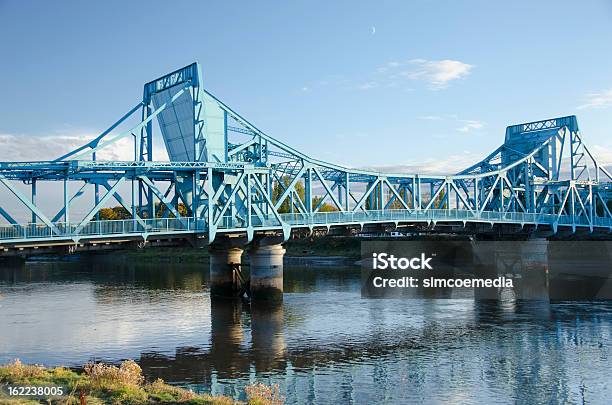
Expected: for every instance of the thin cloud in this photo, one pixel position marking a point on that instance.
(597, 100)
(450, 165)
(465, 126)
(388, 66)
(438, 73)
(470, 125)
(23, 148)
(459, 161)
(602, 153)
(19, 147)
(368, 86)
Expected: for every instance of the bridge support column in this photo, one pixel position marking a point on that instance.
(267, 272)
(526, 262)
(224, 264)
(533, 285)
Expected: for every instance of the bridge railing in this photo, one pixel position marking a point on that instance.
(324, 218)
(349, 217)
(101, 228)
(188, 224)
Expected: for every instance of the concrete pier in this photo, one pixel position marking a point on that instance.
(526, 262)
(267, 272)
(533, 285)
(224, 262)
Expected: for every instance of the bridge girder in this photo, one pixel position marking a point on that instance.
(227, 176)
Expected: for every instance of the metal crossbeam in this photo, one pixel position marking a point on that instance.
(543, 174)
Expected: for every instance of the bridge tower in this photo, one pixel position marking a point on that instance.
(195, 129)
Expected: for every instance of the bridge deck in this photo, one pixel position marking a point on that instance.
(62, 233)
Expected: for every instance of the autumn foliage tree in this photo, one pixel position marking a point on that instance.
(119, 212)
(279, 189)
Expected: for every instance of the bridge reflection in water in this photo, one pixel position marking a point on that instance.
(323, 344)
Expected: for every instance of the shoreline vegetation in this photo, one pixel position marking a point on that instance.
(100, 383)
(311, 251)
(339, 248)
(319, 250)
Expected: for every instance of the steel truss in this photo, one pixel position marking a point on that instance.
(233, 177)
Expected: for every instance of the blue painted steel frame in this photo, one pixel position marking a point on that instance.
(543, 174)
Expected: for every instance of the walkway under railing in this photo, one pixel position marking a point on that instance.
(189, 225)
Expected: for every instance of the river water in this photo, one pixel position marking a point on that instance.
(323, 345)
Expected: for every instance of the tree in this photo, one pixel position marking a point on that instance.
(438, 203)
(107, 214)
(396, 204)
(325, 207)
(114, 213)
(440, 200)
(278, 190)
(160, 210)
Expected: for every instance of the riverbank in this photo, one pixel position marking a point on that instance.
(106, 384)
(322, 250)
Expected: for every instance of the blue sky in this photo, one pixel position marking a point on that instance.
(419, 84)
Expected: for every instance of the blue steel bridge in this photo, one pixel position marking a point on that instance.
(235, 180)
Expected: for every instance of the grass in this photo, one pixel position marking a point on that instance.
(317, 246)
(100, 383)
